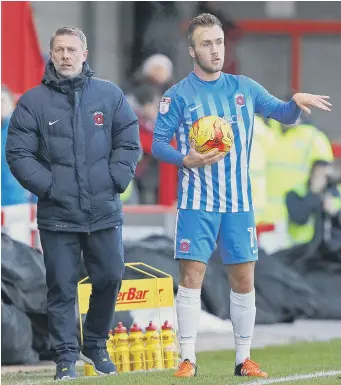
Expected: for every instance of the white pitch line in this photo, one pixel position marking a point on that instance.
(295, 378)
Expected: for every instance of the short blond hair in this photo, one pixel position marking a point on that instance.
(204, 19)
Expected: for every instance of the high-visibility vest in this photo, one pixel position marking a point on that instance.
(263, 139)
(289, 163)
(305, 233)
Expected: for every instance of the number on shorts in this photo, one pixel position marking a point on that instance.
(253, 236)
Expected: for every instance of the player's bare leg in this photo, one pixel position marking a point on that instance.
(188, 307)
(243, 315)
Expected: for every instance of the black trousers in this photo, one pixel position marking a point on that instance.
(104, 261)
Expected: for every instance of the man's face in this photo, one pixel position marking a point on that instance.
(209, 49)
(68, 55)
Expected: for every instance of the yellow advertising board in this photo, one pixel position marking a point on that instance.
(151, 291)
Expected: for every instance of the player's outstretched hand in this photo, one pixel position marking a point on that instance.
(305, 100)
(194, 159)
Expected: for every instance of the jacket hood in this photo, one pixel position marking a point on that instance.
(65, 86)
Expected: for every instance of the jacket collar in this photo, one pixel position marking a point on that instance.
(65, 86)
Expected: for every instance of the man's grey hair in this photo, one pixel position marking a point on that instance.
(70, 31)
(157, 60)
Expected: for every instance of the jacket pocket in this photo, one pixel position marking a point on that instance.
(114, 191)
(52, 189)
(53, 195)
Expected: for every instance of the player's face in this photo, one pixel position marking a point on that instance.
(209, 49)
(68, 55)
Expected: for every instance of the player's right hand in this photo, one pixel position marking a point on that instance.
(193, 159)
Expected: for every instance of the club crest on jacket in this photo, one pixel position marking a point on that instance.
(99, 118)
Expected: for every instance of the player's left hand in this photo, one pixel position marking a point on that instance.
(305, 100)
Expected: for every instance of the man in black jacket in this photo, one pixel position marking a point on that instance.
(73, 141)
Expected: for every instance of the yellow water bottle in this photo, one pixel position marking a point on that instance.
(121, 348)
(153, 348)
(168, 346)
(110, 346)
(89, 370)
(137, 349)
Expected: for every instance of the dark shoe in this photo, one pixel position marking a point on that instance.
(65, 371)
(99, 359)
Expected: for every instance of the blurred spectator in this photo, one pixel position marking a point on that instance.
(295, 150)
(143, 94)
(156, 70)
(12, 193)
(145, 102)
(263, 139)
(314, 208)
(149, 83)
(144, 99)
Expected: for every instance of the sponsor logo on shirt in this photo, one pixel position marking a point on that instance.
(233, 118)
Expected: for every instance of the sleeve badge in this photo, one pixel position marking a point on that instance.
(164, 105)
